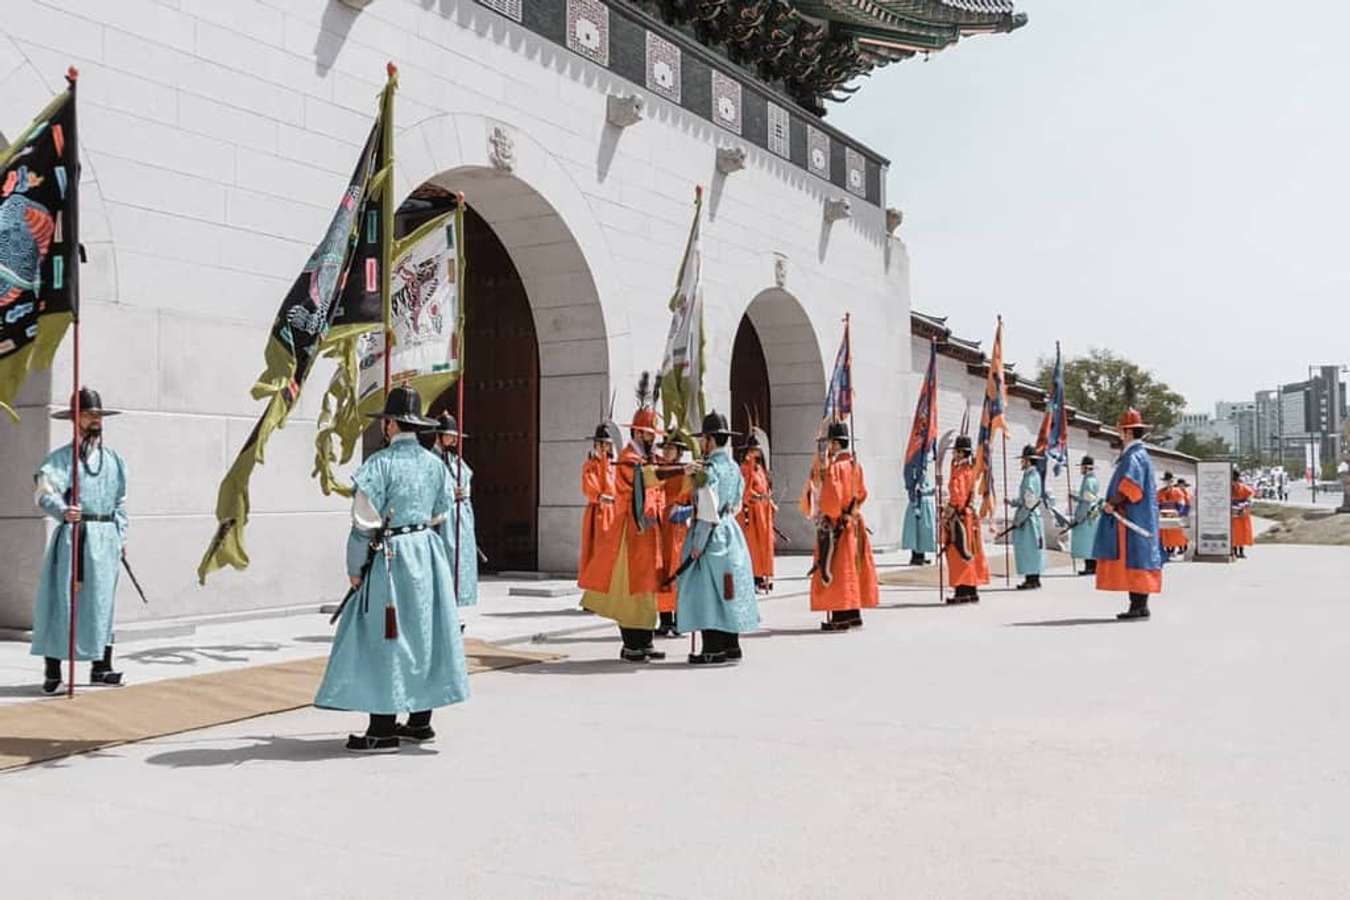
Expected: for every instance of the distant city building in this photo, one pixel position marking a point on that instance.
(1304, 412)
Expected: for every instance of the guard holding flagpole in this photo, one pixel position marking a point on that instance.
(844, 576)
(398, 648)
(1086, 511)
(674, 502)
(597, 486)
(1028, 528)
(458, 531)
(717, 586)
(99, 516)
(758, 507)
(1128, 553)
(962, 540)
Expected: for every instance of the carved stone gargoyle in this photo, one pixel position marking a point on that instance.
(625, 110)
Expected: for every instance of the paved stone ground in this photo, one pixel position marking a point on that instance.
(1027, 747)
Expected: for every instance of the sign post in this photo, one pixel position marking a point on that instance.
(1213, 512)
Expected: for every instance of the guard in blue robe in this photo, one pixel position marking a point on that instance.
(448, 443)
(1130, 556)
(101, 517)
(398, 648)
(1028, 528)
(920, 532)
(1087, 509)
(717, 586)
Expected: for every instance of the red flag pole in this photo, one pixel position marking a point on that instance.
(72, 75)
(1007, 538)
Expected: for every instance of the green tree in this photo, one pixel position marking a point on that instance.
(1203, 448)
(1095, 384)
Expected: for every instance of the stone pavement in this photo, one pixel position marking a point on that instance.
(1030, 746)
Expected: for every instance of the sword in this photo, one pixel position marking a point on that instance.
(371, 549)
(132, 575)
(778, 532)
(1142, 532)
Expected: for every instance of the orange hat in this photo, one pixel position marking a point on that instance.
(645, 419)
(1132, 419)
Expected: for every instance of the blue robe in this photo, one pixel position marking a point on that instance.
(701, 601)
(467, 593)
(1140, 552)
(1029, 536)
(103, 491)
(424, 666)
(920, 532)
(1084, 533)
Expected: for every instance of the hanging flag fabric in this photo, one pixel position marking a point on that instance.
(681, 377)
(339, 285)
(923, 434)
(39, 243)
(1052, 440)
(427, 318)
(992, 420)
(839, 394)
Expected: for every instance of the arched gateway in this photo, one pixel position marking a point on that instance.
(538, 352)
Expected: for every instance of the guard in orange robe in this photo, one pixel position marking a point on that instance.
(597, 486)
(757, 509)
(962, 537)
(1242, 516)
(844, 577)
(676, 494)
(1130, 557)
(1171, 499)
(1187, 498)
(627, 561)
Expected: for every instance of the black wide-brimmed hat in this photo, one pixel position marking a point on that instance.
(1167, 476)
(1183, 482)
(675, 439)
(446, 424)
(963, 443)
(1088, 462)
(714, 425)
(404, 405)
(90, 402)
(602, 433)
(1029, 452)
(838, 431)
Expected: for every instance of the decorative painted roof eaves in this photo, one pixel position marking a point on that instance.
(916, 25)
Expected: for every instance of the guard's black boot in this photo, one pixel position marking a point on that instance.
(629, 654)
(1090, 567)
(666, 628)
(102, 672)
(418, 730)
(654, 654)
(1138, 608)
(833, 622)
(1030, 583)
(707, 658)
(733, 648)
(917, 559)
(51, 675)
(381, 736)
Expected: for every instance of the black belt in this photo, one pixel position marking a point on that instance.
(404, 529)
(96, 517)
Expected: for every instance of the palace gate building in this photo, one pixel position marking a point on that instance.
(217, 137)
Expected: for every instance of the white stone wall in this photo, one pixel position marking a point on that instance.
(217, 137)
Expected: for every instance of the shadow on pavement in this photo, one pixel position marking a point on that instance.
(937, 605)
(270, 749)
(789, 632)
(188, 655)
(583, 667)
(1061, 623)
(315, 639)
(527, 614)
(33, 690)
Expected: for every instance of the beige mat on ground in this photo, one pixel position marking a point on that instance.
(927, 576)
(103, 717)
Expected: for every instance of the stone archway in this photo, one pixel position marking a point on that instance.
(796, 392)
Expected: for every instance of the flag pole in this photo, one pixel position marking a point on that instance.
(937, 479)
(73, 235)
(459, 384)
(1007, 539)
(387, 214)
(848, 367)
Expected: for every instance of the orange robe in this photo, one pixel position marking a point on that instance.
(1243, 534)
(1115, 574)
(757, 518)
(675, 492)
(971, 572)
(627, 558)
(854, 581)
(597, 485)
(1172, 538)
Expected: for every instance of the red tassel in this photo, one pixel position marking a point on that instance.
(728, 587)
(390, 623)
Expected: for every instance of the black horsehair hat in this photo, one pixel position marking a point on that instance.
(446, 424)
(838, 431)
(90, 402)
(963, 442)
(602, 434)
(714, 424)
(404, 405)
(1088, 462)
(1029, 452)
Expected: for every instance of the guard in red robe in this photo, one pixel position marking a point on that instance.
(626, 569)
(757, 511)
(844, 577)
(1128, 552)
(677, 496)
(962, 537)
(1171, 499)
(597, 486)
(1243, 533)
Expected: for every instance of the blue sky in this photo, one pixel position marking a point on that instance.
(1169, 178)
